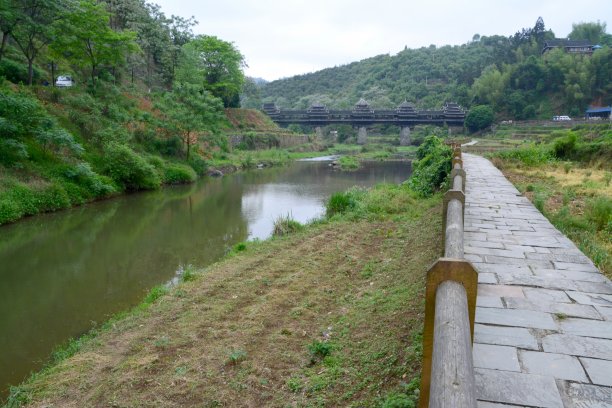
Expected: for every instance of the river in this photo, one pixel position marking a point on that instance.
(65, 272)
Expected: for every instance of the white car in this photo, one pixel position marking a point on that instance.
(561, 118)
(64, 81)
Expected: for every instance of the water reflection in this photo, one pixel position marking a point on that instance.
(60, 273)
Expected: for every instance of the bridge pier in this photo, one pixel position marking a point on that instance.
(362, 135)
(405, 136)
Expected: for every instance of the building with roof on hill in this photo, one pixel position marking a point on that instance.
(597, 112)
(571, 46)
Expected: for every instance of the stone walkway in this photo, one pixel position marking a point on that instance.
(543, 333)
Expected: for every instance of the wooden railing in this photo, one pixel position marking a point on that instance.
(447, 377)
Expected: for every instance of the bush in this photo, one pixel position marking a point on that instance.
(128, 169)
(198, 164)
(285, 225)
(479, 117)
(339, 203)
(531, 155)
(179, 174)
(348, 163)
(599, 212)
(97, 185)
(432, 168)
(565, 147)
(17, 72)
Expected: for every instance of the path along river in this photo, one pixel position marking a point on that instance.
(63, 273)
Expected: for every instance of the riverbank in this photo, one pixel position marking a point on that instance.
(330, 315)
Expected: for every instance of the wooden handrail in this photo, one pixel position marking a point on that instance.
(447, 377)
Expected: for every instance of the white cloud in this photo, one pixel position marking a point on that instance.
(281, 38)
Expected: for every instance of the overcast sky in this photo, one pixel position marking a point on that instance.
(282, 38)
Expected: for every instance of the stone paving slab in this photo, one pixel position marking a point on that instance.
(543, 332)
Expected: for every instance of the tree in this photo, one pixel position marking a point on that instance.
(9, 18)
(593, 32)
(214, 64)
(489, 87)
(86, 39)
(35, 28)
(181, 33)
(479, 117)
(187, 112)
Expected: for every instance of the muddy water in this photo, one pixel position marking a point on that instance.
(63, 273)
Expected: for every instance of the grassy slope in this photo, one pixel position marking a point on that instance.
(566, 199)
(238, 335)
(576, 196)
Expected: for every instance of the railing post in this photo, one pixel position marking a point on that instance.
(447, 376)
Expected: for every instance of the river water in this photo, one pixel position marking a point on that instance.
(63, 273)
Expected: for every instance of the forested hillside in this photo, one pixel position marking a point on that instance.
(508, 73)
(145, 105)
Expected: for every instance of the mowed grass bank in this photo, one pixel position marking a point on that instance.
(570, 181)
(330, 315)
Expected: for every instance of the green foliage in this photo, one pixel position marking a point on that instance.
(128, 169)
(530, 155)
(320, 349)
(188, 111)
(599, 212)
(479, 117)
(285, 225)
(237, 356)
(348, 163)
(214, 65)
(564, 147)
(87, 40)
(341, 202)
(198, 164)
(18, 73)
(432, 168)
(155, 293)
(176, 173)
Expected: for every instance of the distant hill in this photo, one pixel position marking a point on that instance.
(508, 73)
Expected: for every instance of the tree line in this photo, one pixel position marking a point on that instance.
(147, 107)
(508, 73)
(118, 40)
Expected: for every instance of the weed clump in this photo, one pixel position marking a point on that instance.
(348, 163)
(236, 356)
(319, 350)
(599, 212)
(285, 225)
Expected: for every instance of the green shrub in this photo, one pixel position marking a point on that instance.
(17, 72)
(9, 211)
(198, 164)
(97, 185)
(396, 400)
(340, 202)
(565, 147)
(285, 225)
(52, 198)
(348, 163)
(599, 212)
(432, 168)
(479, 117)
(320, 349)
(128, 169)
(176, 173)
(530, 155)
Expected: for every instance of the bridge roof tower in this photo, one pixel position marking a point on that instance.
(406, 110)
(362, 108)
(453, 111)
